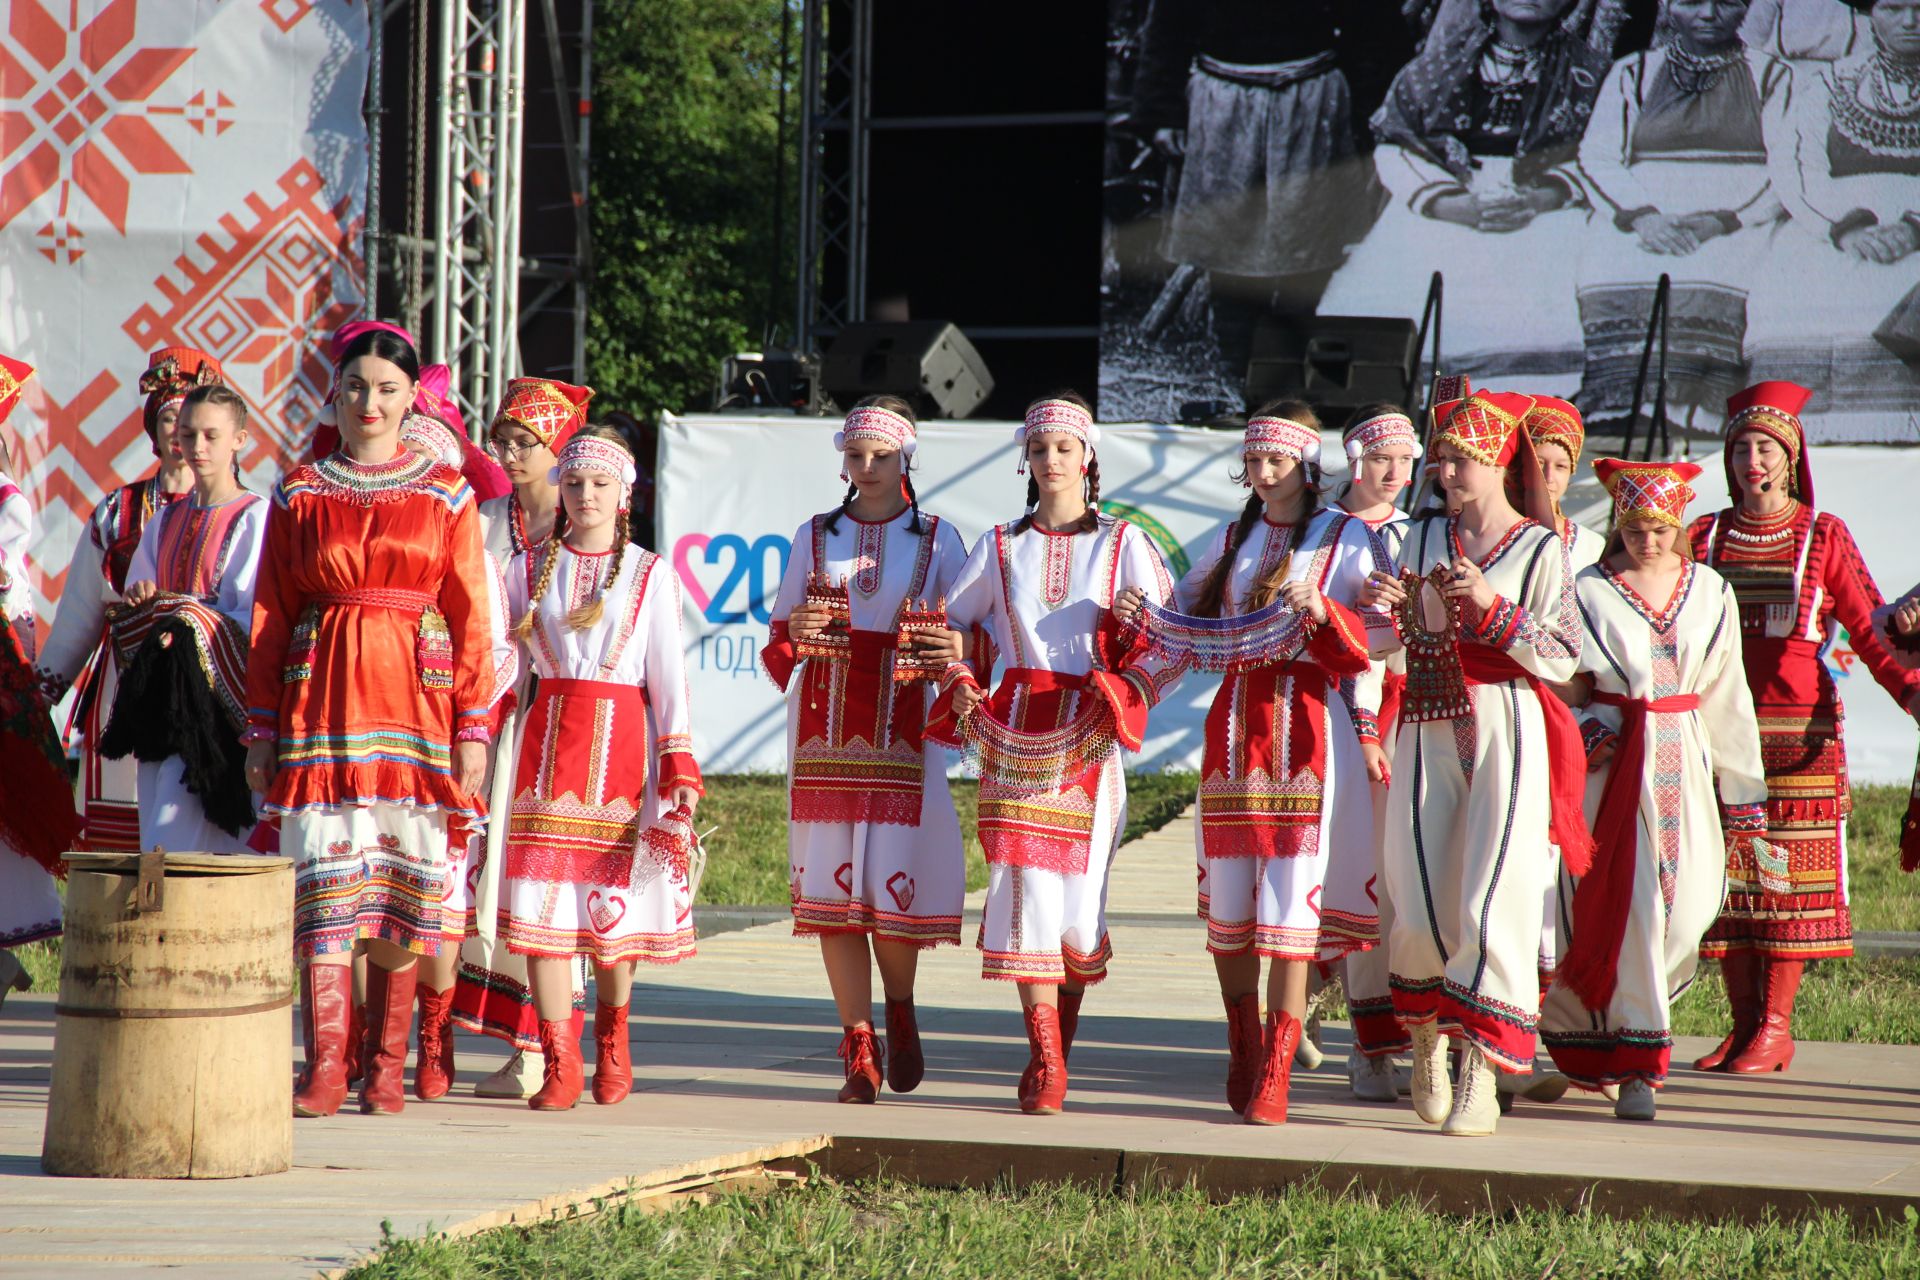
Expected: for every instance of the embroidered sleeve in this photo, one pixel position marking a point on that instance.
(1594, 735)
(463, 602)
(1726, 709)
(1855, 597)
(276, 607)
(778, 656)
(667, 691)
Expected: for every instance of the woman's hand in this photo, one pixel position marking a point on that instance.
(263, 761)
(1170, 142)
(1601, 757)
(138, 593)
(965, 699)
(944, 646)
(1376, 759)
(469, 766)
(1884, 245)
(1305, 597)
(687, 796)
(808, 620)
(1468, 585)
(1382, 591)
(1126, 605)
(1662, 234)
(1905, 620)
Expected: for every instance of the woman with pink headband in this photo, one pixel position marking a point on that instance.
(873, 844)
(1053, 795)
(600, 835)
(1284, 787)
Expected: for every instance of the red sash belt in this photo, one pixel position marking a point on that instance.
(1566, 755)
(1604, 899)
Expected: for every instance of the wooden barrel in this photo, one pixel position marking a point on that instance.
(174, 1024)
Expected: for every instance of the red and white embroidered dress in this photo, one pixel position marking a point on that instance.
(1283, 787)
(873, 844)
(606, 740)
(1045, 601)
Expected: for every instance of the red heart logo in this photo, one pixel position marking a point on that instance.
(902, 898)
(604, 913)
(683, 565)
(844, 877)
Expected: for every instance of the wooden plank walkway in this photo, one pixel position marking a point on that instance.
(734, 1057)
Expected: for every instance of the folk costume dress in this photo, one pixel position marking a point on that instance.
(1685, 783)
(1282, 791)
(205, 561)
(371, 657)
(1486, 773)
(37, 818)
(1044, 600)
(605, 742)
(1798, 577)
(78, 650)
(873, 844)
(492, 995)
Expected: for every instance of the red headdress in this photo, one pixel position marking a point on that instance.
(1647, 490)
(171, 373)
(1555, 421)
(551, 410)
(1485, 426)
(1772, 409)
(13, 376)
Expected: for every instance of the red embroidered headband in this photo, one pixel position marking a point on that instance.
(1063, 416)
(591, 453)
(1379, 432)
(1283, 436)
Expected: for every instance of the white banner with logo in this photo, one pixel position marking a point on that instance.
(732, 490)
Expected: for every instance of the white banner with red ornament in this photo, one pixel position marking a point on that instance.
(732, 490)
(171, 174)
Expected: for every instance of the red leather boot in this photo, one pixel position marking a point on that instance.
(433, 1068)
(356, 1038)
(565, 1072)
(1069, 1008)
(613, 1061)
(389, 1018)
(1048, 1066)
(906, 1064)
(1741, 970)
(860, 1049)
(1268, 1105)
(1243, 1048)
(326, 1012)
(1771, 1048)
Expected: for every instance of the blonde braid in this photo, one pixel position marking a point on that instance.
(588, 615)
(550, 557)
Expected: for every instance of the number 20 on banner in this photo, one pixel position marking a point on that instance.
(748, 574)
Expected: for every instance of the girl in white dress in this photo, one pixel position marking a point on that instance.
(1487, 768)
(1053, 796)
(600, 829)
(873, 847)
(1284, 790)
(1676, 777)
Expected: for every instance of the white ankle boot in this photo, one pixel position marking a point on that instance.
(1371, 1078)
(1636, 1100)
(1432, 1090)
(1476, 1106)
(519, 1077)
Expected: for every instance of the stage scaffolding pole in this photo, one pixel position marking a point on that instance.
(835, 98)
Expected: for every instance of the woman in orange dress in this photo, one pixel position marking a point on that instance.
(369, 760)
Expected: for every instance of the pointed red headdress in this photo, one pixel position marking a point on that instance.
(1772, 409)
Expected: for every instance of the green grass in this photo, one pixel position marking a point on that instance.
(1882, 895)
(822, 1231)
(747, 856)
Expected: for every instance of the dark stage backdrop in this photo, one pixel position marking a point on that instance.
(1552, 158)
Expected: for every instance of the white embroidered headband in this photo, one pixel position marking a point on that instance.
(1283, 436)
(1063, 416)
(1379, 432)
(432, 436)
(881, 426)
(590, 453)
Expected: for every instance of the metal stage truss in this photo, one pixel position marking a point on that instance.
(458, 279)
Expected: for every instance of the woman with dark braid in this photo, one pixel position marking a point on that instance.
(1053, 797)
(874, 855)
(1290, 751)
(600, 831)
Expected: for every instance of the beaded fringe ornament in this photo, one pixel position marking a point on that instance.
(433, 653)
(908, 662)
(1045, 761)
(1436, 685)
(1245, 642)
(1774, 873)
(834, 641)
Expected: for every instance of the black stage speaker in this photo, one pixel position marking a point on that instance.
(1336, 362)
(928, 363)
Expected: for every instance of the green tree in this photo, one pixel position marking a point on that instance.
(686, 104)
